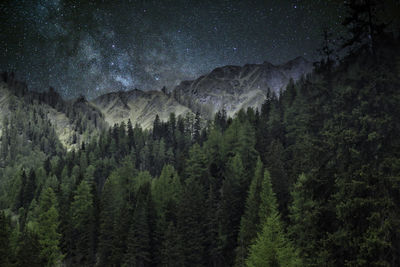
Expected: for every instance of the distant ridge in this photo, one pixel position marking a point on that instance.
(236, 87)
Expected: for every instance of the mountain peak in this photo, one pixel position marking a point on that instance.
(236, 87)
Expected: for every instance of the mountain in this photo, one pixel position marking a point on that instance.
(79, 120)
(140, 107)
(236, 87)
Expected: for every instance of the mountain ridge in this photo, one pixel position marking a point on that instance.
(227, 87)
(233, 87)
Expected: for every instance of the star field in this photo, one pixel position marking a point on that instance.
(93, 47)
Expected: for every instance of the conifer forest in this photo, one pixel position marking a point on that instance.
(309, 177)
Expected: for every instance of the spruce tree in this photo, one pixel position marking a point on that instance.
(139, 239)
(250, 221)
(5, 244)
(233, 197)
(303, 218)
(29, 251)
(268, 203)
(48, 233)
(82, 220)
(191, 223)
(272, 247)
(171, 248)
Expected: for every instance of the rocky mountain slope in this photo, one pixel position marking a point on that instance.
(236, 87)
(139, 106)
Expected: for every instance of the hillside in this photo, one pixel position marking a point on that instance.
(74, 121)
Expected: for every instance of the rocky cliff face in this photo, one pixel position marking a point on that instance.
(139, 106)
(236, 87)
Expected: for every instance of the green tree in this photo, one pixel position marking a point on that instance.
(190, 222)
(233, 197)
(138, 241)
(268, 203)
(250, 221)
(82, 221)
(197, 165)
(171, 250)
(272, 248)
(29, 250)
(275, 158)
(5, 244)
(47, 224)
(303, 219)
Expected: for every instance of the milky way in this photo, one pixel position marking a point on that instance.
(93, 47)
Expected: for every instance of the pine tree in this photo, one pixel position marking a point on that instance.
(107, 226)
(197, 165)
(363, 25)
(233, 196)
(171, 250)
(275, 158)
(268, 203)
(139, 236)
(303, 218)
(165, 189)
(82, 221)
(272, 247)
(30, 188)
(21, 197)
(197, 128)
(5, 247)
(48, 222)
(250, 221)
(190, 224)
(212, 242)
(29, 250)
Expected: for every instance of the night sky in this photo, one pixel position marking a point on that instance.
(93, 47)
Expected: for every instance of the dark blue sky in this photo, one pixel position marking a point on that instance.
(99, 46)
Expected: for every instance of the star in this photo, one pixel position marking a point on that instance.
(98, 47)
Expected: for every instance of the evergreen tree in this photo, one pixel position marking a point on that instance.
(47, 224)
(233, 196)
(363, 24)
(5, 244)
(272, 248)
(197, 128)
(190, 222)
(268, 203)
(212, 241)
(82, 221)
(139, 241)
(29, 251)
(197, 165)
(171, 250)
(275, 158)
(303, 220)
(249, 223)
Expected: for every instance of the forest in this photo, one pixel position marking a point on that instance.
(310, 179)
